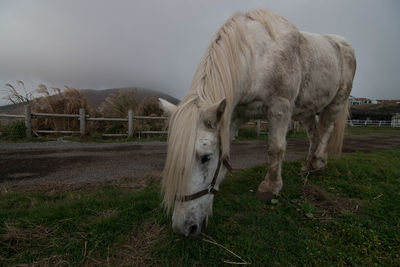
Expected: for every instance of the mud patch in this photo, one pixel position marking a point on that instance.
(36, 163)
(327, 204)
(19, 168)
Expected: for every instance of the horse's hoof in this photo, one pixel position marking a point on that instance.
(265, 196)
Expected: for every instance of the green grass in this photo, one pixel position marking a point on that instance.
(99, 139)
(24, 140)
(244, 134)
(114, 224)
(86, 139)
(361, 130)
(251, 134)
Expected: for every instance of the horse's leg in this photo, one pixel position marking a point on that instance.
(326, 124)
(279, 114)
(310, 124)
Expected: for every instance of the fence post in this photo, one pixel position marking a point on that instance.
(82, 118)
(258, 128)
(130, 123)
(28, 121)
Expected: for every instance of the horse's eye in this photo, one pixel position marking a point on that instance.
(205, 158)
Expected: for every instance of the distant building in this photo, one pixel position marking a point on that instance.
(361, 100)
(354, 100)
(365, 100)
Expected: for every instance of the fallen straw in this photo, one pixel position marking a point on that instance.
(212, 241)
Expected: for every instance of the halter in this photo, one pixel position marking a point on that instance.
(210, 189)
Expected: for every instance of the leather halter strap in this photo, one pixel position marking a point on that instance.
(210, 189)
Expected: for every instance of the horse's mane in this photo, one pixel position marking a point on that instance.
(216, 78)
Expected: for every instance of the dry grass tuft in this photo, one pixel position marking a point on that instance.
(55, 260)
(56, 100)
(135, 251)
(4, 189)
(117, 105)
(15, 235)
(16, 239)
(17, 96)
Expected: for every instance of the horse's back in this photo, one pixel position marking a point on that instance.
(328, 66)
(305, 68)
(274, 44)
(348, 58)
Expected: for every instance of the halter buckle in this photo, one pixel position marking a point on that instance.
(209, 188)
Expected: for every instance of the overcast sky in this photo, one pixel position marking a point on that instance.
(158, 44)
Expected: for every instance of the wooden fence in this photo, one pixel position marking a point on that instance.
(83, 118)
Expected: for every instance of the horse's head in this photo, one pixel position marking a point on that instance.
(193, 169)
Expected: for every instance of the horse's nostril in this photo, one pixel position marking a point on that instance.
(204, 224)
(193, 230)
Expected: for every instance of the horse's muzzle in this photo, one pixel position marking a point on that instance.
(190, 228)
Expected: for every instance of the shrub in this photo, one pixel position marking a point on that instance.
(14, 130)
(56, 100)
(117, 105)
(150, 107)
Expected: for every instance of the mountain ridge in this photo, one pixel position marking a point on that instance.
(97, 96)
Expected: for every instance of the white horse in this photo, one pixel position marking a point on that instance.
(258, 65)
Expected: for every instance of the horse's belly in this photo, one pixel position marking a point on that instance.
(314, 100)
(320, 78)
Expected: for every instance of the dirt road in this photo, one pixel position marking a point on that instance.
(26, 164)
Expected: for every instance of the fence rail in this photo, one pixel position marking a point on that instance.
(55, 115)
(82, 117)
(53, 131)
(12, 116)
(376, 123)
(107, 119)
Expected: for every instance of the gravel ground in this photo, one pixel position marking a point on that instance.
(64, 162)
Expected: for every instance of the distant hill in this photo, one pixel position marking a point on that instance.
(12, 109)
(96, 97)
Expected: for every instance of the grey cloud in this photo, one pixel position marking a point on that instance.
(158, 44)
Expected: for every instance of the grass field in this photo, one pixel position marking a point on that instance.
(246, 133)
(360, 130)
(251, 133)
(350, 215)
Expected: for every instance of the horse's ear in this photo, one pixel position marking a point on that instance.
(166, 106)
(213, 113)
(220, 109)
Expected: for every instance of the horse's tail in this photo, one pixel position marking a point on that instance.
(336, 140)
